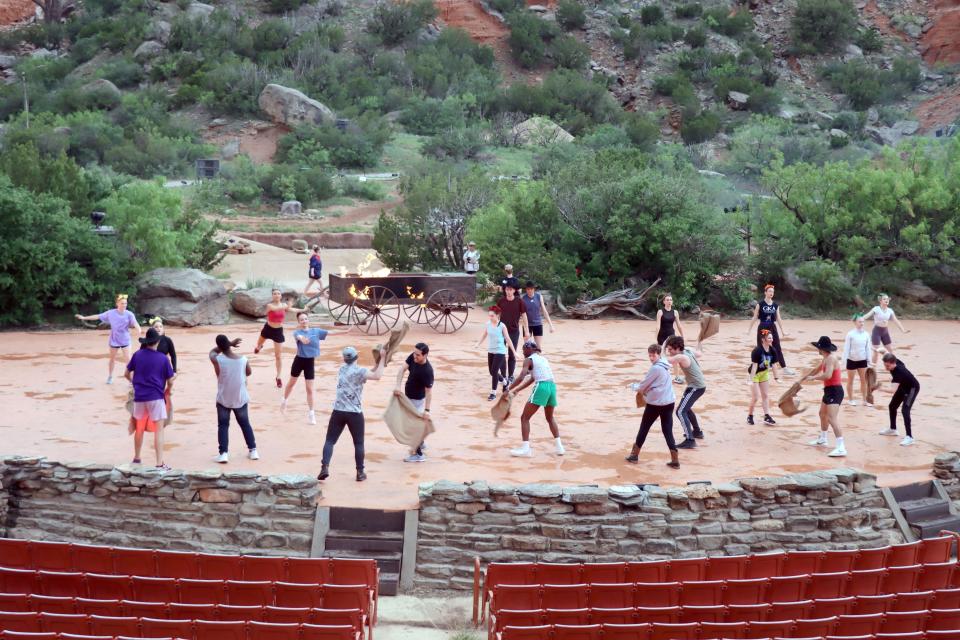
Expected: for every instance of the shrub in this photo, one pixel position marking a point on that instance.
(354, 148)
(642, 130)
(826, 282)
(307, 184)
(570, 14)
(395, 22)
(700, 128)
(240, 180)
(763, 100)
(722, 21)
(570, 53)
(233, 86)
(906, 73)
(869, 40)
(366, 189)
(651, 14)
(691, 10)
(695, 37)
(430, 115)
(281, 6)
(858, 80)
(850, 121)
(123, 72)
(454, 144)
(823, 25)
(271, 35)
(506, 6)
(526, 39)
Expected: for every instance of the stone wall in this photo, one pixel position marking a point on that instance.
(836, 509)
(236, 512)
(326, 240)
(946, 468)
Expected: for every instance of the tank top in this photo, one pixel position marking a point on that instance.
(693, 373)
(881, 317)
(276, 316)
(666, 322)
(768, 312)
(495, 342)
(834, 379)
(532, 306)
(541, 368)
(232, 382)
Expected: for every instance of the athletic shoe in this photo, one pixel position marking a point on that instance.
(632, 459)
(522, 452)
(163, 466)
(867, 404)
(509, 381)
(559, 450)
(311, 417)
(819, 442)
(839, 452)
(698, 434)
(906, 442)
(852, 403)
(888, 432)
(749, 418)
(109, 379)
(492, 396)
(789, 372)
(768, 420)
(324, 472)
(283, 404)
(279, 383)
(688, 443)
(253, 454)
(361, 476)
(223, 458)
(678, 380)
(415, 458)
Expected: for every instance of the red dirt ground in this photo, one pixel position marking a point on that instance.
(12, 11)
(882, 22)
(942, 42)
(939, 110)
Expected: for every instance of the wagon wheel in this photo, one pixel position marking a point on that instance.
(449, 310)
(418, 312)
(377, 312)
(314, 301)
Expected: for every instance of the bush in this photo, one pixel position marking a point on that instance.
(763, 100)
(366, 189)
(642, 131)
(826, 282)
(570, 14)
(720, 20)
(234, 86)
(691, 10)
(858, 80)
(869, 40)
(309, 185)
(906, 73)
(849, 121)
(454, 144)
(651, 14)
(395, 22)
(527, 38)
(506, 6)
(823, 25)
(570, 53)
(700, 128)
(271, 36)
(123, 72)
(354, 148)
(429, 115)
(695, 37)
(281, 6)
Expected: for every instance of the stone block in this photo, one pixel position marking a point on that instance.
(538, 490)
(219, 496)
(470, 507)
(662, 545)
(524, 543)
(711, 542)
(768, 525)
(546, 509)
(708, 528)
(595, 509)
(613, 531)
(511, 508)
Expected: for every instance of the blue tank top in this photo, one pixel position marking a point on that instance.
(534, 319)
(495, 342)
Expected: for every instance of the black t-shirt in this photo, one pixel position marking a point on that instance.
(903, 377)
(768, 312)
(510, 281)
(763, 359)
(510, 312)
(419, 379)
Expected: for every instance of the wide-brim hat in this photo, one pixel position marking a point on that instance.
(152, 337)
(824, 344)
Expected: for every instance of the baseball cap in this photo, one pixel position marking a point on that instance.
(531, 344)
(349, 354)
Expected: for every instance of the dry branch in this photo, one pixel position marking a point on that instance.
(623, 300)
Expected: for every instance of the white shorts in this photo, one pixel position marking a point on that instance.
(156, 410)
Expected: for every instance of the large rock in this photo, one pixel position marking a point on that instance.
(148, 51)
(199, 10)
(737, 100)
(540, 132)
(7, 62)
(253, 302)
(183, 297)
(105, 92)
(919, 292)
(291, 107)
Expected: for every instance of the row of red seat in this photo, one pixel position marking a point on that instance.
(726, 592)
(144, 589)
(689, 632)
(63, 556)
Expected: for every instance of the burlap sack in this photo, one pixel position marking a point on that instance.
(393, 344)
(405, 422)
(788, 401)
(873, 383)
(709, 325)
(641, 401)
(129, 407)
(500, 411)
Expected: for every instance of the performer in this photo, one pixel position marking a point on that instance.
(121, 321)
(763, 364)
(768, 313)
(667, 320)
(151, 375)
(166, 347)
(658, 393)
(882, 314)
(536, 371)
(419, 388)
(348, 409)
(308, 348)
(513, 314)
(471, 259)
(906, 394)
(536, 311)
(832, 395)
(315, 271)
(232, 370)
(686, 359)
(856, 355)
(509, 279)
(273, 329)
(498, 341)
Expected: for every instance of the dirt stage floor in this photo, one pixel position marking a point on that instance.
(55, 404)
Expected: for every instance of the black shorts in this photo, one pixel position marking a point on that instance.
(662, 336)
(302, 365)
(315, 275)
(856, 364)
(272, 333)
(536, 330)
(833, 395)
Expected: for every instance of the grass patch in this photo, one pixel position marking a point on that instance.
(336, 201)
(257, 283)
(402, 151)
(512, 161)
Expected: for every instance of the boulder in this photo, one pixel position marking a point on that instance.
(291, 107)
(7, 62)
(854, 51)
(919, 292)
(299, 245)
(182, 297)
(737, 100)
(906, 127)
(107, 94)
(148, 51)
(540, 132)
(160, 30)
(253, 302)
(883, 135)
(291, 208)
(231, 149)
(199, 10)
(839, 133)
(42, 53)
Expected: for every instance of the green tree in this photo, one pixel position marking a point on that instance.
(823, 25)
(571, 15)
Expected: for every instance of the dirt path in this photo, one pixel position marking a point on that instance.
(363, 216)
(12, 11)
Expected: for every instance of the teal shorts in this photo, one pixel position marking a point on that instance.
(544, 394)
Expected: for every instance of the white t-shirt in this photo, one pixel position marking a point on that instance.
(881, 317)
(857, 345)
(471, 260)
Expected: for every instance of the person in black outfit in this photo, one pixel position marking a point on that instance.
(903, 398)
(165, 346)
(513, 314)
(419, 388)
(509, 280)
(768, 313)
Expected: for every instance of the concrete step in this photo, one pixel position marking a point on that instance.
(389, 583)
(915, 491)
(387, 561)
(931, 528)
(340, 540)
(924, 509)
(349, 519)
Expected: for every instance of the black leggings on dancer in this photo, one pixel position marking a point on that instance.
(772, 328)
(650, 414)
(497, 365)
(685, 411)
(512, 359)
(352, 421)
(906, 397)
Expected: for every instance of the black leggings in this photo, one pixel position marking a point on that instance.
(688, 419)
(497, 365)
(650, 414)
(772, 328)
(352, 421)
(906, 397)
(512, 359)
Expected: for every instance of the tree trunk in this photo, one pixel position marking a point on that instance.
(52, 9)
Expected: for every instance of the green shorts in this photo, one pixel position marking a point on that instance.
(544, 394)
(762, 376)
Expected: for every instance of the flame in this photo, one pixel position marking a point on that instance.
(343, 271)
(362, 268)
(359, 295)
(412, 295)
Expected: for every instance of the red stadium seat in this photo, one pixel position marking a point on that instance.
(90, 558)
(655, 571)
(138, 609)
(180, 611)
(827, 585)
(52, 556)
(514, 618)
(273, 631)
(177, 564)
(849, 638)
(604, 572)
(658, 614)
(917, 601)
(694, 613)
(625, 615)
(853, 625)
(611, 596)
(798, 563)
(936, 576)
(214, 566)
(28, 635)
(347, 596)
(749, 591)
(873, 604)
(154, 628)
(15, 554)
(838, 560)
(712, 630)
(868, 582)
(558, 573)
(114, 626)
(237, 613)
(577, 617)
(904, 621)
(147, 589)
(508, 633)
(702, 593)
(944, 620)
(946, 599)
(60, 583)
(283, 615)
(687, 569)
(106, 587)
(667, 631)
(20, 620)
(202, 591)
(936, 634)
(773, 629)
(902, 579)
(814, 627)
(563, 596)
(258, 594)
(135, 562)
(53, 604)
(306, 595)
(625, 631)
(790, 610)
(748, 612)
(267, 568)
(726, 568)
(916, 635)
(787, 588)
(578, 632)
(346, 632)
(904, 555)
(82, 636)
(352, 617)
(18, 580)
(663, 594)
(505, 596)
(319, 571)
(829, 607)
(216, 630)
(15, 602)
(872, 559)
(936, 550)
(64, 623)
(354, 571)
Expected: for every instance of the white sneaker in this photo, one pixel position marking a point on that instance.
(867, 404)
(677, 380)
(109, 379)
(311, 417)
(223, 458)
(789, 372)
(560, 450)
(819, 442)
(283, 404)
(253, 454)
(853, 403)
(906, 442)
(522, 452)
(888, 432)
(839, 452)
(415, 458)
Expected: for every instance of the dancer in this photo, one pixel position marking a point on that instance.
(882, 314)
(165, 346)
(273, 329)
(315, 271)
(419, 388)
(509, 279)
(856, 355)
(907, 389)
(536, 311)
(658, 393)
(348, 409)
(536, 371)
(686, 359)
(121, 321)
(513, 314)
(152, 376)
(667, 319)
(232, 371)
(471, 259)
(498, 341)
(308, 348)
(832, 395)
(763, 363)
(768, 313)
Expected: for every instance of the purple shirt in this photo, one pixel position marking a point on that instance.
(151, 370)
(120, 325)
